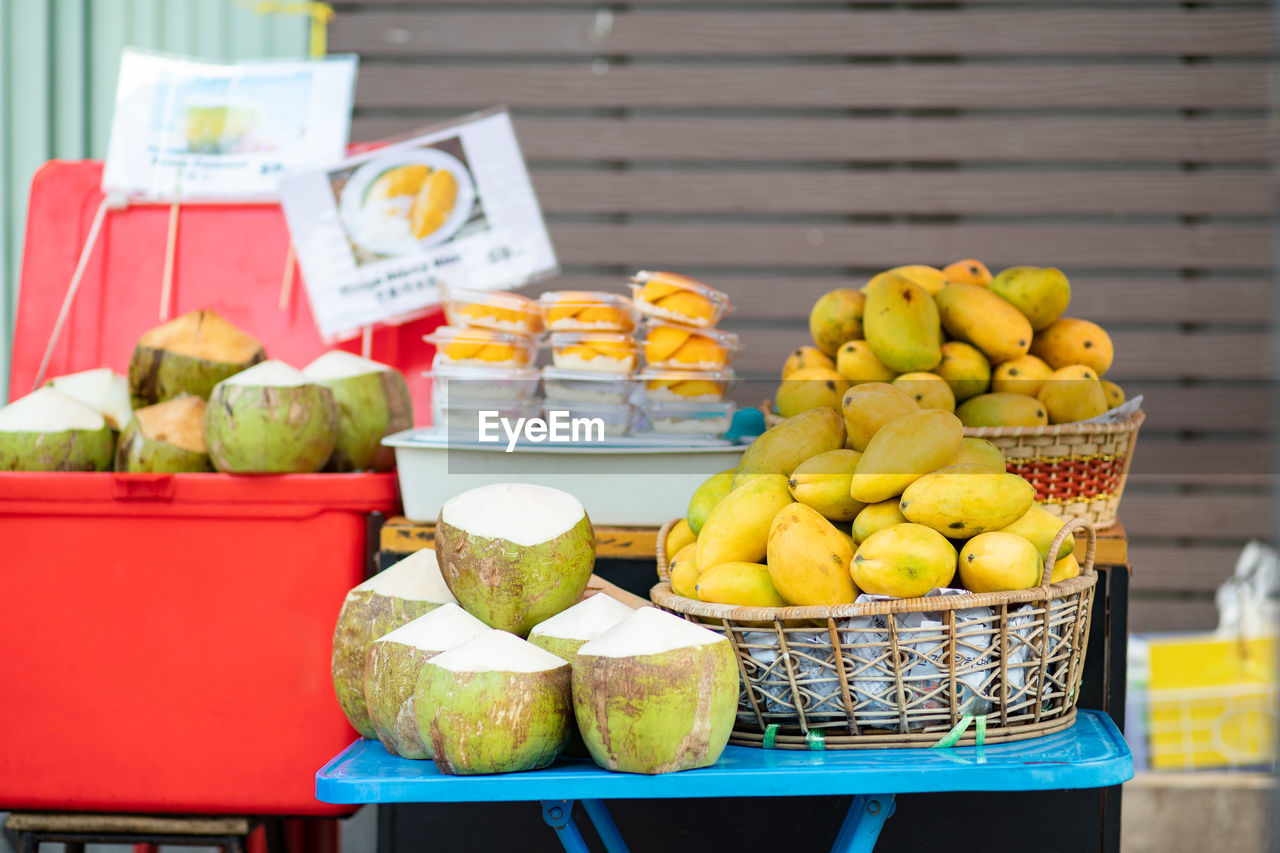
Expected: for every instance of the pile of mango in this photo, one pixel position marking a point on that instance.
(995, 350)
(889, 499)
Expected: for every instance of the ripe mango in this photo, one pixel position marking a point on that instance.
(965, 369)
(1114, 393)
(1074, 341)
(810, 388)
(906, 561)
(968, 272)
(1040, 293)
(901, 324)
(780, 449)
(930, 278)
(876, 517)
(857, 363)
(979, 451)
(822, 482)
(999, 562)
(979, 317)
(737, 531)
(929, 390)
(743, 584)
(1002, 409)
(869, 406)
(809, 559)
(1038, 526)
(904, 450)
(961, 501)
(681, 535)
(835, 318)
(1072, 394)
(683, 571)
(706, 496)
(1066, 568)
(802, 357)
(1021, 376)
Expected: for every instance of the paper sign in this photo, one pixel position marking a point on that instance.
(378, 234)
(197, 130)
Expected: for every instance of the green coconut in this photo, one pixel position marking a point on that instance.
(495, 704)
(167, 437)
(395, 596)
(515, 554)
(101, 389)
(270, 419)
(49, 431)
(189, 355)
(655, 693)
(373, 401)
(391, 673)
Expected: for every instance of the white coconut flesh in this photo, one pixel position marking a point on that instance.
(585, 620)
(497, 651)
(49, 410)
(203, 335)
(521, 513)
(415, 578)
(179, 422)
(443, 628)
(649, 631)
(269, 374)
(102, 389)
(340, 364)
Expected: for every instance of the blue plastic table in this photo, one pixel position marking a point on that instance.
(1091, 754)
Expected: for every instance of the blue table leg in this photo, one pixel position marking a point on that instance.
(558, 815)
(862, 825)
(604, 825)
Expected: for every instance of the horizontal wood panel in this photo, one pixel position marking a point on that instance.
(1198, 568)
(1211, 408)
(1218, 515)
(1037, 86)
(1158, 615)
(804, 33)
(901, 192)
(996, 140)
(1226, 462)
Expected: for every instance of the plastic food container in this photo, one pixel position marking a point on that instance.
(499, 310)
(680, 347)
(480, 347)
(710, 420)
(690, 386)
(587, 311)
(677, 297)
(585, 386)
(461, 418)
(615, 419)
(483, 383)
(598, 352)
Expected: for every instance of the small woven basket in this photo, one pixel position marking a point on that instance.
(905, 672)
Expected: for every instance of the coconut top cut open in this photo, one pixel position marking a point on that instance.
(443, 628)
(340, 364)
(49, 410)
(270, 374)
(102, 389)
(205, 335)
(415, 578)
(585, 620)
(521, 513)
(179, 422)
(497, 651)
(648, 631)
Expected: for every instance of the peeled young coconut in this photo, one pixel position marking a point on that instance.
(391, 598)
(189, 355)
(655, 693)
(566, 632)
(373, 401)
(515, 554)
(495, 704)
(166, 437)
(102, 389)
(392, 667)
(48, 431)
(270, 419)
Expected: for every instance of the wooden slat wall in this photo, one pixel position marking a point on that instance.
(781, 149)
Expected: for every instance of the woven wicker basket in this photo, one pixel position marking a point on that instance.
(908, 672)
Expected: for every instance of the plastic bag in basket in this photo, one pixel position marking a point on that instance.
(813, 666)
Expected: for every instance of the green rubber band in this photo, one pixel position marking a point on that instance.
(815, 740)
(957, 731)
(979, 731)
(770, 734)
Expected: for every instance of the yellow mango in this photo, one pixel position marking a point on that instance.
(1038, 526)
(904, 450)
(930, 278)
(877, 516)
(810, 388)
(1072, 394)
(846, 531)
(835, 318)
(780, 449)
(683, 571)
(743, 584)
(1040, 293)
(869, 406)
(1021, 376)
(737, 531)
(1113, 392)
(1065, 568)
(961, 501)
(968, 272)
(822, 482)
(965, 369)
(905, 560)
(809, 559)
(802, 357)
(1002, 409)
(857, 363)
(688, 305)
(706, 496)
(979, 451)
(434, 203)
(901, 324)
(1073, 341)
(979, 317)
(999, 562)
(929, 390)
(681, 535)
